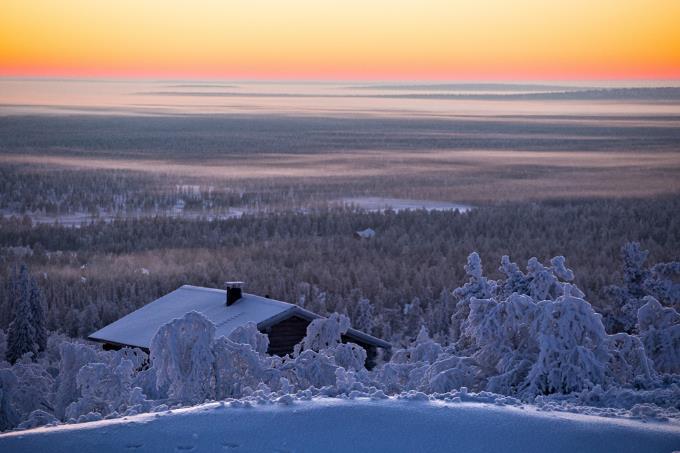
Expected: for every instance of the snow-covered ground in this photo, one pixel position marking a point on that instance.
(330, 425)
(399, 204)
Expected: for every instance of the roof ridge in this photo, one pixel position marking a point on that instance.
(202, 288)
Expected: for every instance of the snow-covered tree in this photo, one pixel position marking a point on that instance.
(21, 336)
(573, 351)
(313, 369)
(34, 389)
(27, 332)
(423, 349)
(350, 356)
(248, 334)
(478, 286)
(364, 316)
(660, 333)
(8, 415)
(659, 281)
(413, 313)
(237, 366)
(515, 280)
(408, 367)
(107, 388)
(38, 314)
(634, 272)
(663, 283)
(73, 357)
(505, 345)
(38, 418)
(182, 355)
(449, 373)
(325, 333)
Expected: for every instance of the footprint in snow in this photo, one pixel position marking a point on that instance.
(134, 446)
(185, 447)
(229, 445)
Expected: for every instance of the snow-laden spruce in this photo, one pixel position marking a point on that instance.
(660, 281)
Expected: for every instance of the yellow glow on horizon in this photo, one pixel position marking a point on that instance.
(333, 39)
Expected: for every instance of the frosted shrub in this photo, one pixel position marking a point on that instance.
(540, 337)
(321, 353)
(424, 366)
(364, 316)
(423, 349)
(38, 418)
(634, 272)
(506, 346)
(313, 369)
(573, 351)
(542, 283)
(346, 381)
(629, 362)
(237, 365)
(248, 334)
(659, 281)
(34, 388)
(147, 381)
(538, 283)
(350, 356)
(663, 282)
(181, 354)
(395, 377)
(478, 287)
(105, 388)
(660, 333)
(450, 373)
(324, 333)
(73, 357)
(560, 269)
(413, 315)
(515, 280)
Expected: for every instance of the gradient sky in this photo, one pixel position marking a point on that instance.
(342, 39)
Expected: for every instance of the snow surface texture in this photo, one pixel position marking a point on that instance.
(408, 423)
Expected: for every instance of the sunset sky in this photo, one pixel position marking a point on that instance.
(342, 39)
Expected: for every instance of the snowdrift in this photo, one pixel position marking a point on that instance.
(334, 425)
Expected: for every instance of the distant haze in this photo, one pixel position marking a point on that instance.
(458, 143)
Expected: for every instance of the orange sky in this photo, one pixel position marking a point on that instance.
(342, 39)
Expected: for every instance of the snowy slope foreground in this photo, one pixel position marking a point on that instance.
(339, 425)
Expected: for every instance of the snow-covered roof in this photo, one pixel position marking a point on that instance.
(365, 234)
(139, 327)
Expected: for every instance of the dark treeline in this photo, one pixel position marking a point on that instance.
(189, 137)
(92, 275)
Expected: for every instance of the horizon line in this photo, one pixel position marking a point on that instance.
(324, 80)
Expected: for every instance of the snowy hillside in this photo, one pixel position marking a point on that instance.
(528, 366)
(330, 424)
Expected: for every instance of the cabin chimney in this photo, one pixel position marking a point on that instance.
(234, 292)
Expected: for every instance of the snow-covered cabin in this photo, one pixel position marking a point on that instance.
(284, 323)
(368, 233)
